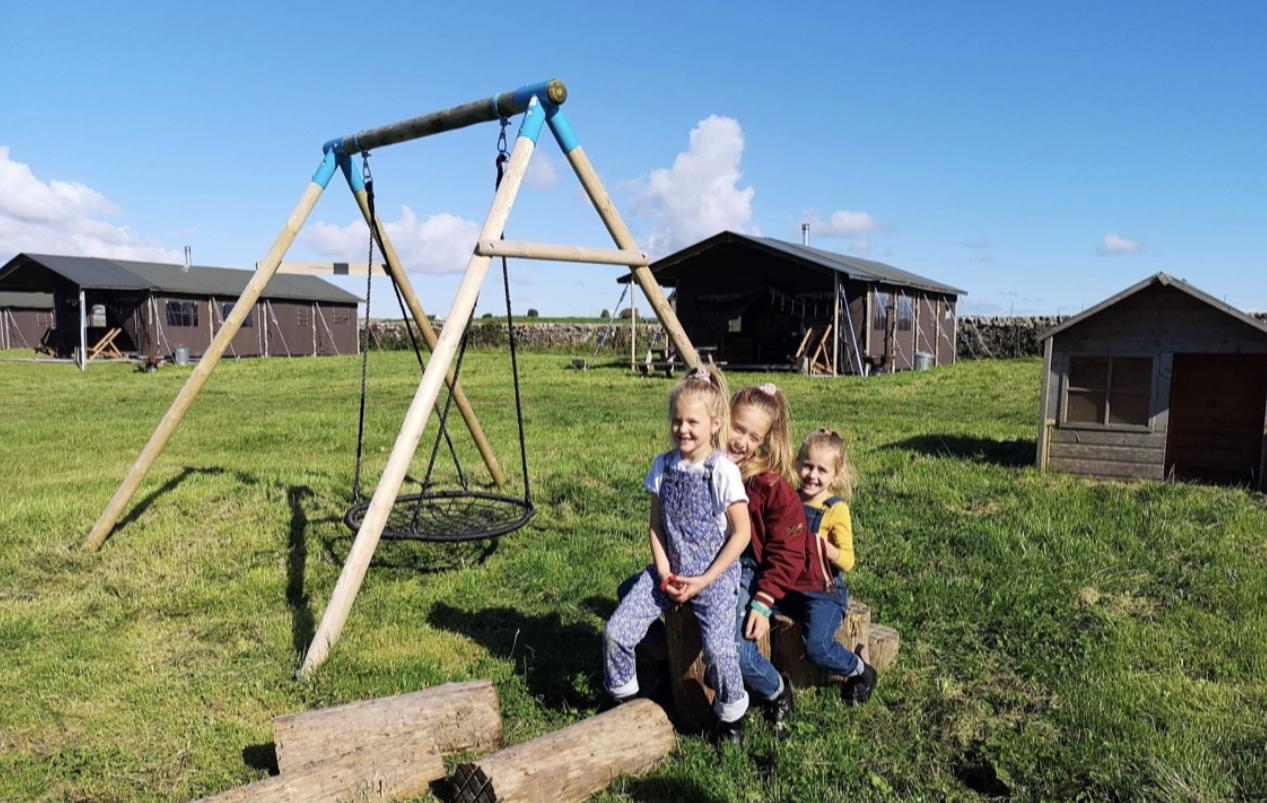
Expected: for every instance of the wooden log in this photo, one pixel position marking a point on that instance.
(452, 718)
(573, 763)
(561, 253)
(787, 645)
(692, 697)
(381, 771)
(882, 646)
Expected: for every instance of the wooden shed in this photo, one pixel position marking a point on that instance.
(758, 302)
(25, 319)
(148, 308)
(1159, 381)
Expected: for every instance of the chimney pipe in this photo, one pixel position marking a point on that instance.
(188, 258)
(805, 234)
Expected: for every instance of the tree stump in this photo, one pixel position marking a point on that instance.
(379, 771)
(692, 697)
(453, 718)
(883, 646)
(573, 763)
(788, 646)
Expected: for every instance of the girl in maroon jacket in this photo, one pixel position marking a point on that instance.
(780, 557)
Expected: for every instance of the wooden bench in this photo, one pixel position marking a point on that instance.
(784, 646)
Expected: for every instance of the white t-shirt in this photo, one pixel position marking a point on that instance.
(727, 482)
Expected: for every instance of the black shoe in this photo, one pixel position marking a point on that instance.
(858, 688)
(780, 708)
(724, 733)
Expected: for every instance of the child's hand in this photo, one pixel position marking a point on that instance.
(670, 582)
(756, 627)
(682, 589)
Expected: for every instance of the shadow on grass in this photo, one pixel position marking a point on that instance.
(1009, 454)
(301, 627)
(261, 757)
(547, 654)
(670, 790)
(172, 484)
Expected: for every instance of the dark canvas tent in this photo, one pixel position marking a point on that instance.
(1161, 380)
(25, 319)
(755, 300)
(159, 307)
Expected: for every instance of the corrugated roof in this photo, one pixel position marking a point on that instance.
(861, 269)
(1166, 280)
(27, 300)
(95, 273)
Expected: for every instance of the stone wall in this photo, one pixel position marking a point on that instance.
(533, 336)
(1001, 336)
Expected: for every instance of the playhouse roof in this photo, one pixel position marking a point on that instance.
(1164, 280)
(95, 273)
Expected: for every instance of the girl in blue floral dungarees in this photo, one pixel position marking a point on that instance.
(699, 527)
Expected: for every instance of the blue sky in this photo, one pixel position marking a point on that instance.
(1040, 156)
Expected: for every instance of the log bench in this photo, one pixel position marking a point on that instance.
(783, 646)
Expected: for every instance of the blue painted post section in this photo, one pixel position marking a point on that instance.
(562, 129)
(355, 180)
(326, 170)
(534, 119)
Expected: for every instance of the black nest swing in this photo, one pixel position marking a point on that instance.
(436, 514)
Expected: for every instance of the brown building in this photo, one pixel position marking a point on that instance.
(25, 319)
(158, 308)
(766, 303)
(1161, 380)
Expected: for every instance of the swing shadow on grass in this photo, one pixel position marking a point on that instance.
(548, 654)
(1015, 453)
(166, 488)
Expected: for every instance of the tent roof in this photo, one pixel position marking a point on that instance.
(95, 273)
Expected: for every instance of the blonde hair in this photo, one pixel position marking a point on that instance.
(846, 474)
(707, 385)
(774, 456)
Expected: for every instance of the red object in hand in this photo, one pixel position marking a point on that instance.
(671, 580)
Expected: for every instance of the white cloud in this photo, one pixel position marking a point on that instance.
(443, 243)
(61, 217)
(1117, 244)
(843, 223)
(699, 195)
(541, 171)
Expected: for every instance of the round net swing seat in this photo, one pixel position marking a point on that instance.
(448, 516)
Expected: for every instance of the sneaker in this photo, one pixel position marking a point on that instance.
(724, 733)
(780, 708)
(858, 688)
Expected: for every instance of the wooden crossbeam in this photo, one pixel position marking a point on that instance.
(561, 253)
(329, 268)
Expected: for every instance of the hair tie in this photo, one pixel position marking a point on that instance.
(701, 374)
(769, 388)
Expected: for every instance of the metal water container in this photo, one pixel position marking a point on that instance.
(181, 355)
(923, 361)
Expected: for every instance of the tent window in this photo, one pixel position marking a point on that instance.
(303, 316)
(735, 325)
(182, 313)
(1108, 391)
(904, 314)
(227, 307)
(880, 311)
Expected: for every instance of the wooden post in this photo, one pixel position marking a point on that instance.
(835, 325)
(353, 573)
(571, 764)
(381, 771)
(101, 530)
(314, 328)
(83, 332)
(882, 646)
(397, 271)
(625, 241)
(633, 324)
(1040, 456)
(453, 718)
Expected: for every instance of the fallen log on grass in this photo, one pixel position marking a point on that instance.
(573, 763)
(453, 718)
(380, 771)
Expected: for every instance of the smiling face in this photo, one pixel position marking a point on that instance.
(817, 470)
(749, 426)
(692, 428)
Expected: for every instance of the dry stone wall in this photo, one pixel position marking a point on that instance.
(532, 336)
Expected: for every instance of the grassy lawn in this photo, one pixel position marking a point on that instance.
(1061, 637)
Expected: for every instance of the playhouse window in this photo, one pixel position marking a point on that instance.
(904, 314)
(182, 313)
(735, 325)
(1108, 391)
(880, 311)
(227, 307)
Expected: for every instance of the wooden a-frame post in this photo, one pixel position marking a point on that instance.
(541, 110)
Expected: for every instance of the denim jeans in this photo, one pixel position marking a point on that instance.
(820, 614)
(759, 674)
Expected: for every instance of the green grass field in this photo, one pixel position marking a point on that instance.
(1061, 638)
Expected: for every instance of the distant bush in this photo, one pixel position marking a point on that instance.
(605, 314)
(487, 315)
(532, 313)
(626, 313)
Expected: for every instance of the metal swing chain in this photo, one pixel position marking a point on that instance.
(503, 156)
(368, 180)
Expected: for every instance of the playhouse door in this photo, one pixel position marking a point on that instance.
(1216, 417)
